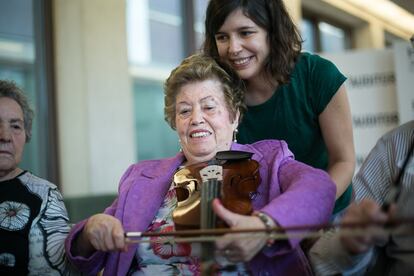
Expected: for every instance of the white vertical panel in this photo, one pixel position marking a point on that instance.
(95, 106)
(372, 95)
(404, 68)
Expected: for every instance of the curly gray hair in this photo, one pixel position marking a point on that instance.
(9, 89)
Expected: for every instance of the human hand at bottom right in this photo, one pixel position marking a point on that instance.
(366, 212)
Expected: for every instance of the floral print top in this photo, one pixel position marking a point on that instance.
(166, 258)
(173, 258)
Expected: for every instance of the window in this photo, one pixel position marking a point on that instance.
(154, 137)
(160, 34)
(308, 36)
(390, 39)
(153, 27)
(324, 36)
(332, 38)
(25, 58)
(200, 16)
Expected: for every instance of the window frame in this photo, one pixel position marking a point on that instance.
(46, 114)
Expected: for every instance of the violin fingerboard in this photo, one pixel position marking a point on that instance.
(211, 188)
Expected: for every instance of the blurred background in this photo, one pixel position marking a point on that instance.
(94, 71)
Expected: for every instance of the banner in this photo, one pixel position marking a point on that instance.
(404, 71)
(371, 90)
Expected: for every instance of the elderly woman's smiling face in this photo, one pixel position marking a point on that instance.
(203, 121)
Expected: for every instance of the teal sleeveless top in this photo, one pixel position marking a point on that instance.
(291, 114)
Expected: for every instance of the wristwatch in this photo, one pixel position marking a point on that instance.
(269, 224)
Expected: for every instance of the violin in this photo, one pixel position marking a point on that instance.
(231, 176)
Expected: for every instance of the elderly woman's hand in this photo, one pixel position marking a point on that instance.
(240, 247)
(101, 232)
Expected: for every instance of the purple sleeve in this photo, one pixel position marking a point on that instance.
(94, 263)
(91, 265)
(307, 196)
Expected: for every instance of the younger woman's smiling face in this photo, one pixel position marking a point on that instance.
(243, 44)
(203, 121)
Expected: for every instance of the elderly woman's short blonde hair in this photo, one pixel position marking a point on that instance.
(200, 67)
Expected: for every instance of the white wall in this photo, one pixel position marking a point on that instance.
(94, 97)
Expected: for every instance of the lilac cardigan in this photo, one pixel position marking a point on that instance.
(291, 192)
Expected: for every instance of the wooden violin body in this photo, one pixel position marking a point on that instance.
(237, 186)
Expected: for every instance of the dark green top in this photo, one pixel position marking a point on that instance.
(291, 114)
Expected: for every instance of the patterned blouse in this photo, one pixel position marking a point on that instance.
(33, 227)
(171, 258)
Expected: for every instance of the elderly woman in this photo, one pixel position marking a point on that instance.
(203, 103)
(33, 219)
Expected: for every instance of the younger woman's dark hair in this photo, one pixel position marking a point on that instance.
(285, 42)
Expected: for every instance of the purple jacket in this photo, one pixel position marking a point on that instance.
(291, 192)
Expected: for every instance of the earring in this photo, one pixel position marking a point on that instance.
(235, 135)
(179, 142)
